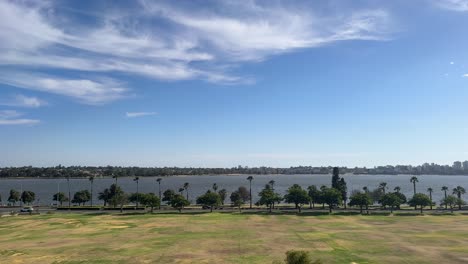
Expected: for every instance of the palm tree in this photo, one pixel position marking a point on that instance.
(459, 191)
(181, 190)
(445, 189)
(250, 178)
(365, 189)
(137, 179)
(397, 189)
(115, 177)
(69, 192)
(414, 180)
(159, 183)
(215, 187)
(429, 190)
(272, 184)
(383, 187)
(186, 186)
(91, 180)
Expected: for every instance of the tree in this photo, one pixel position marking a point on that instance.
(119, 198)
(402, 198)
(222, 195)
(451, 201)
(137, 180)
(136, 197)
(104, 196)
(414, 180)
(376, 194)
(168, 195)
(151, 200)
(361, 200)
(236, 199)
(445, 189)
(178, 202)
(244, 193)
(314, 195)
(297, 196)
(186, 187)
(344, 191)
(429, 190)
(392, 200)
(459, 191)
(81, 197)
(60, 197)
(365, 189)
(250, 178)
(272, 184)
(268, 197)
(383, 187)
(181, 190)
(420, 199)
(14, 197)
(210, 199)
(332, 197)
(215, 187)
(158, 180)
(69, 191)
(27, 197)
(336, 178)
(397, 189)
(91, 180)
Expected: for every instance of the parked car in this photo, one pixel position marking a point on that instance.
(27, 209)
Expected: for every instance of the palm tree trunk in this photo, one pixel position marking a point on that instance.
(360, 207)
(421, 209)
(330, 209)
(250, 194)
(445, 193)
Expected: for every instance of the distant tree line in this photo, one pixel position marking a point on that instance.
(109, 171)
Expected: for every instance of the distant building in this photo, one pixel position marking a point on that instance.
(465, 165)
(457, 165)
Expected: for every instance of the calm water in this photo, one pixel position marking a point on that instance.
(45, 188)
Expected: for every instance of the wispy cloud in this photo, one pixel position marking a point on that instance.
(139, 114)
(24, 101)
(453, 5)
(11, 117)
(465, 75)
(188, 42)
(87, 91)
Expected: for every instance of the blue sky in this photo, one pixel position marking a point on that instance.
(227, 83)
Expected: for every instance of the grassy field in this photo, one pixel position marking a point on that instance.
(231, 238)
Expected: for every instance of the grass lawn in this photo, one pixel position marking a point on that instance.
(231, 238)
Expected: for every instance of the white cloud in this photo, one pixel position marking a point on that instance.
(453, 5)
(87, 91)
(186, 43)
(24, 101)
(452, 63)
(465, 75)
(139, 114)
(10, 117)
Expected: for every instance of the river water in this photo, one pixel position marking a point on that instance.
(45, 188)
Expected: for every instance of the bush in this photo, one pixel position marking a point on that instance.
(299, 257)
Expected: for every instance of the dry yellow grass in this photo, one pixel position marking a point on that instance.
(231, 238)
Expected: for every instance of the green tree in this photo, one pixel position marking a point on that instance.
(178, 202)
(272, 184)
(168, 195)
(402, 198)
(250, 178)
(332, 197)
(397, 189)
(336, 178)
(14, 197)
(158, 180)
(222, 195)
(445, 189)
(105, 196)
(236, 199)
(137, 180)
(361, 200)
(150, 200)
(459, 191)
(60, 197)
(268, 197)
(420, 199)
(27, 197)
(119, 199)
(450, 201)
(81, 197)
(136, 197)
(215, 187)
(392, 200)
(297, 196)
(244, 193)
(210, 199)
(383, 187)
(314, 195)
